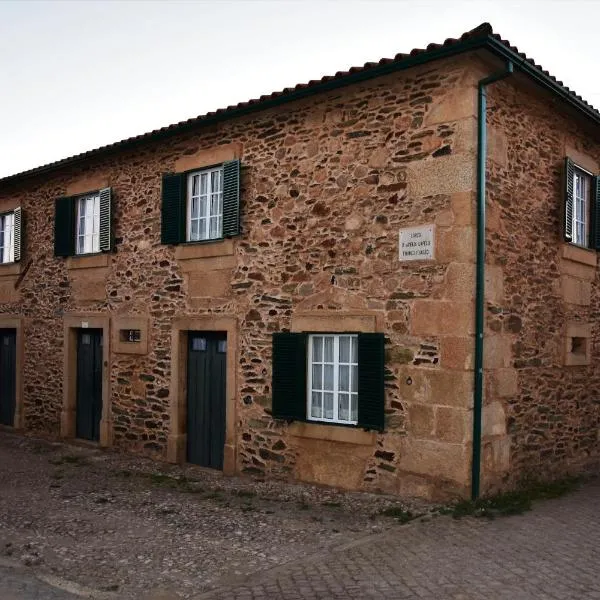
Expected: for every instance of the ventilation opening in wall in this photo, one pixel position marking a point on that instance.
(130, 335)
(578, 345)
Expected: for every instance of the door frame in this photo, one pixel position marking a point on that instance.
(177, 440)
(15, 322)
(72, 323)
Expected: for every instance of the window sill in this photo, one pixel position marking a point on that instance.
(333, 433)
(585, 256)
(8, 269)
(208, 249)
(88, 261)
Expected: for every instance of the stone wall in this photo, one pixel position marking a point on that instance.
(326, 184)
(542, 413)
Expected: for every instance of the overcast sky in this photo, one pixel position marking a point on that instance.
(75, 75)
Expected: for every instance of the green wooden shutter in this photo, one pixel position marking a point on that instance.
(172, 230)
(595, 214)
(64, 227)
(17, 235)
(289, 376)
(106, 237)
(568, 212)
(231, 198)
(371, 390)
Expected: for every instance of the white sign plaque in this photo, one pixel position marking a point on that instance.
(417, 243)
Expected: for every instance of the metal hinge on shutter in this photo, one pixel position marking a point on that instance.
(105, 220)
(17, 234)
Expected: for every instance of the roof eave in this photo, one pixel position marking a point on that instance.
(521, 63)
(487, 42)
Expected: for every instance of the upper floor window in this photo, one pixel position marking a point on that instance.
(10, 236)
(582, 200)
(205, 205)
(83, 224)
(201, 205)
(7, 239)
(88, 224)
(582, 184)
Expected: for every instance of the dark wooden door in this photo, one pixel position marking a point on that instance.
(89, 383)
(8, 375)
(207, 362)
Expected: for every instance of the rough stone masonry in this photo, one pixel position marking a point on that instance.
(327, 183)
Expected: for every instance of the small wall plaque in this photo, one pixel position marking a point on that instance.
(417, 243)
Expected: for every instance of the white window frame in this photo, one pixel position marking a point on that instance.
(213, 200)
(581, 207)
(87, 235)
(353, 395)
(7, 238)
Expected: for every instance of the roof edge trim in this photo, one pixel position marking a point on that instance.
(487, 41)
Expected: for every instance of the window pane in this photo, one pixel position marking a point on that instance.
(354, 407)
(214, 184)
(214, 205)
(328, 405)
(194, 230)
(199, 344)
(89, 213)
(202, 206)
(194, 208)
(316, 409)
(354, 342)
(317, 349)
(354, 383)
(214, 228)
(202, 229)
(317, 377)
(328, 377)
(2, 239)
(203, 182)
(195, 185)
(344, 407)
(344, 378)
(329, 349)
(344, 349)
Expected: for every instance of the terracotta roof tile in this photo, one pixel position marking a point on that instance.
(483, 32)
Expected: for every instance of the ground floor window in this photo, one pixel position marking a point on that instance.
(329, 378)
(333, 378)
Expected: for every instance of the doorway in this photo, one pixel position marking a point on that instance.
(206, 393)
(89, 384)
(8, 376)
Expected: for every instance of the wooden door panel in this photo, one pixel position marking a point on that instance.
(89, 384)
(8, 375)
(206, 398)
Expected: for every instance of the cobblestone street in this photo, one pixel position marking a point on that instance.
(78, 522)
(552, 552)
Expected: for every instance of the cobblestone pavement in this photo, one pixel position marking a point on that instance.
(552, 553)
(96, 525)
(18, 584)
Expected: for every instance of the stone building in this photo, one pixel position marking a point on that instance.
(307, 285)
